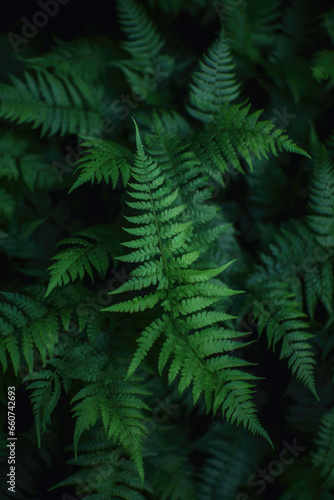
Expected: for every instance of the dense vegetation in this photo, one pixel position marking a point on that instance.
(166, 248)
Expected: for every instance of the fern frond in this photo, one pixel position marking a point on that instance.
(169, 468)
(89, 248)
(102, 160)
(57, 104)
(12, 148)
(277, 312)
(310, 278)
(26, 324)
(215, 83)
(252, 25)
(46, 389)
(233, 455)
(104, 470)
(323, 456)
(184, 171)
(16, 161)
(322, 200)
(144, 45)
(235, 133)
(106, 395)
(7, 204)
(218, 378)
(85, 58)
(323, 67)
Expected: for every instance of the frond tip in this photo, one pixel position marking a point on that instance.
(87, 249)
(102, 160)
(195, 345)
(236, 133)
(215, 83)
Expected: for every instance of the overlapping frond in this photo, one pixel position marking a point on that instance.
(323, 66)
(323, 456)
(26, 325)
(215, 82)
(233, 455)
(236, 134)
(321, 202)
(276, 311)
(104, 471)
(88, 249)
(102, 160)
(85, 58)
(57, 104)
(108, 396)
(147, 64)
(251, 25)
(46, 387)
(310, 278)
(196, 346)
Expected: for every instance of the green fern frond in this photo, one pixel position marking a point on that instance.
(274, 307)
(215, 82)
(322, 200)
(26, 324)
(88, 249)
(12, 149)
(46, 388)
(218, 378)
(323, 67)
(144, 42)
(174, 6)
(57, 104)
(184, 171)
(169, 468)
(323, 456)
(106, 395)
(102, 160)
(147, 68)
(252, 25)
(235, 133)
(84, 58)
(311, 277)
(104, 470)
(233, 455)
(7, 204)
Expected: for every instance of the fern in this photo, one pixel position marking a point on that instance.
(168, 466)
(102, 160)
(252, 25)
(104, 472)
(159, 382)
(144, 45)
(117, 402)
(58, 104)
(215, 83)
(323, 456)
(182, 292)
(235, 133)
(310, 278)
(184, 172)
(46, 388)
(84, 58)
(7, 204)
(322, 68)
(26, 324)
(277, 313)
(322, 200)
(232, 458)
(88, 249)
